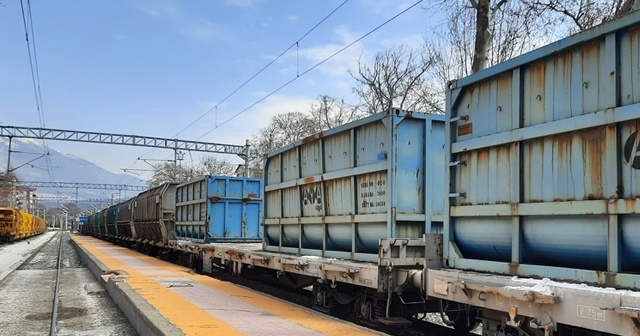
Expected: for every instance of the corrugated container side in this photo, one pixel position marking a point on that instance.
(10, 221)
(103, 222)
(154, 214)
(112, 223)
(337, 193)
(544, 171)
(124, 219)
(219, 209)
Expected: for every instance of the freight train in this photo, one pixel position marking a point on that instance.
(517, 209)
(16, 224)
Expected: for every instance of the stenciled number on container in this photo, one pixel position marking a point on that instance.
(368, 189)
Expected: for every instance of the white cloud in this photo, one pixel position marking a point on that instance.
(239, 3)
(292, 18)
(245, 125)
(191, 27)
(338, 65)
(163, 9)
(203, 30)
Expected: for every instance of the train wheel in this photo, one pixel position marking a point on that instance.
(464, 321)
(326, 303)
(323, 299)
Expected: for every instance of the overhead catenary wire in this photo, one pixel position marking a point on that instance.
(294, 44)
(310, 69)
(35, 77)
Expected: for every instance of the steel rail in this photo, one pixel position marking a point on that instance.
(54, 315)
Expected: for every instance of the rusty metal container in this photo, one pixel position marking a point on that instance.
(335, 194)
(10, 223)
(112, 220)
(124, 219)
(154, 214)
(219, 209)
(544, 168)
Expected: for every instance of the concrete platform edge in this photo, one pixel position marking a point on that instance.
(143, 317)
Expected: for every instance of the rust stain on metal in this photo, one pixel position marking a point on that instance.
(504, 81)
(309, 179)
(630, 205)
(485, 87)
(591, 49)
(595, 142)
(235, 253)
(514, 268)
(313, 137)
(483, 157)
(563, 145)
(538, 73)
(607, 278)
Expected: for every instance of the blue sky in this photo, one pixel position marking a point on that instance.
(154, 67)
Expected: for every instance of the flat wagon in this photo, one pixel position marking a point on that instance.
(543, 175)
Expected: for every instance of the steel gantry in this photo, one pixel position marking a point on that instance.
(121, 139)
(124, 187)
(125, 139)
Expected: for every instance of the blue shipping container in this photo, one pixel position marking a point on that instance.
(335, 194)
(219, 209)
(543, 162)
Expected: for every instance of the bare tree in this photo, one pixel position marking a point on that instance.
(282, 130)
(208, 165)
(396, 79)
(167, 172)
(507, 28)
(330, 112)
(7, 184)
(579, 15)
(211, 165)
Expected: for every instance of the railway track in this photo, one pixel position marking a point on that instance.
(52, 293)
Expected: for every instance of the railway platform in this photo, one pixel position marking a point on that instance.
(161, 298)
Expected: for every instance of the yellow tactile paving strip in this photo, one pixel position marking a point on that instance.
(184, 315)
(190, 318)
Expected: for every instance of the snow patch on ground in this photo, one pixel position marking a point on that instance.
(12, 255)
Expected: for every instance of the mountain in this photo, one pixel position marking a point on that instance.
(65, 168)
